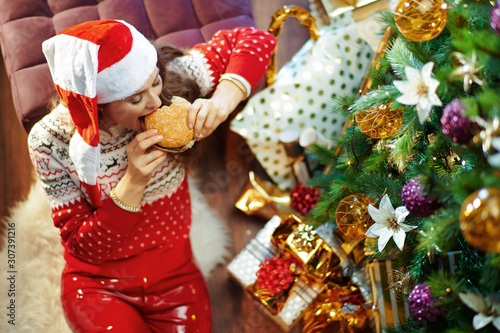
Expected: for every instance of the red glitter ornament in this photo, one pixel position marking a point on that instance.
(274, 275)
(303, 198)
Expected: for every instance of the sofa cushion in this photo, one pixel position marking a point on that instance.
(24, 25)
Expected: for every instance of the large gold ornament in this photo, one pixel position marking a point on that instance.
(421, 20)
(352, 216)
(480, 219)
(380, 122)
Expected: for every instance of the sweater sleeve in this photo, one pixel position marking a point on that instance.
(92, 234)
(242, 51)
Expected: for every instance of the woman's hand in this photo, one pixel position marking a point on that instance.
(142, 160)
(205, 115)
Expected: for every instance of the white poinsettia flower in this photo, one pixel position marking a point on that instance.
(388, 223)
(419, 90)
(494, 159)
(487, 308)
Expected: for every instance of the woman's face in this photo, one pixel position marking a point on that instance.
(126, 112)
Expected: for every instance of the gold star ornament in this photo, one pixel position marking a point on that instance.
(468, 70)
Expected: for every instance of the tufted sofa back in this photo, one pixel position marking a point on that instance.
(25, 24)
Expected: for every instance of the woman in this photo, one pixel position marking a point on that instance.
(122, 207)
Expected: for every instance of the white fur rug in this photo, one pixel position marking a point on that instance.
(39, 260)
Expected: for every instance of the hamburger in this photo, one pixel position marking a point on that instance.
(171, 122)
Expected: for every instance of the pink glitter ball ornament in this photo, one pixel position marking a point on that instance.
(418, 203)
(455, 125)
(421, 304)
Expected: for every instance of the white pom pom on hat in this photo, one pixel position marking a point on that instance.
(92, 63)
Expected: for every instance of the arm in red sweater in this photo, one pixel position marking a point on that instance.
(242, 51)
(91, 235)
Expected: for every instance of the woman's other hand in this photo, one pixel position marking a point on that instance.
(205, 115)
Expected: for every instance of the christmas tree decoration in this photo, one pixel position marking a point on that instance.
(487, 308)
(388, 224)
(468, 70)
(414, 199)
(480, 219)
(274, 275)
(419, 90)
(495, 18)
(494, 159)
(400, 281)
(303, 198)
(422, 305)
(490, 130)
(380, 122)
(352, 215)
(455, 124)
(421, 20)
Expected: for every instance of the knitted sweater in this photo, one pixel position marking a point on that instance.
(109, 240)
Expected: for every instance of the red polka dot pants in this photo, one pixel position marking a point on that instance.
(177, 303)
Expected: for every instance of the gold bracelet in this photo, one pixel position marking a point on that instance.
(237, 83)
(119, 203)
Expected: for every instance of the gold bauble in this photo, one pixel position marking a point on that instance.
(352, 216)
(480, 219)
(381, 122)
(421, 20)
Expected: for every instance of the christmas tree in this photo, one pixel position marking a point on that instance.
(421, 157)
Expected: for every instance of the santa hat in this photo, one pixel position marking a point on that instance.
(92, 63)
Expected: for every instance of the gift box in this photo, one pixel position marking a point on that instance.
(280, 239)
(391, 285)
(333, 64)
(364, 13)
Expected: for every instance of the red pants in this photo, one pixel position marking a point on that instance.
(177, 303)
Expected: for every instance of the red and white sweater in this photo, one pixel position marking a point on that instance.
(110, 240)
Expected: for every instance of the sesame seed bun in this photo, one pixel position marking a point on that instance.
(171, 123)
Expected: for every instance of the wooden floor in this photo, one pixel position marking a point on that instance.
(225, 173)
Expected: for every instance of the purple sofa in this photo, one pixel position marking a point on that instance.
(25, 24)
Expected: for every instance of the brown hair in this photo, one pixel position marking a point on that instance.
(174, 83)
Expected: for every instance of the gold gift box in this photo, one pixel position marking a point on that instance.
(314, 255)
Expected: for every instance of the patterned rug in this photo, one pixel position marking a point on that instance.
(39, 260)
